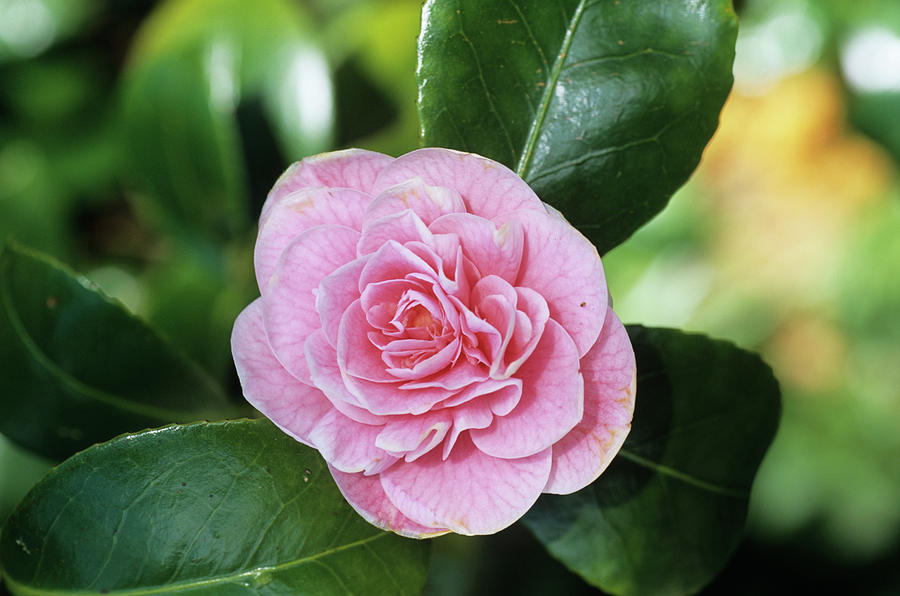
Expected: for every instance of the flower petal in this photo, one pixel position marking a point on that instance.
(289, 303)
(494, 300)
(321, 358)
(349, 445)
(357, 356)
(302, 210)
(461, 375)
(469, 492)
(293, 406)
(428, 202)
(563, 266)
(609, 389)
(551, 404)
(493, 250)
(336, 293)
(365, 495)
(531, 318)
(502, 395)
(351, 168)
(384, 399)
(413, 436)
(402, 227)
(480, 181)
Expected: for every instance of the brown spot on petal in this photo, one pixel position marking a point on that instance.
(626, 399)
(604, 443)
(303, 205)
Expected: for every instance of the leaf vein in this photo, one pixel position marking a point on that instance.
(268, 527)
(56, 518)
(600, 59)
(530, 32)
(585, 157)
(189, 549)
(124, 514)
(683, 477)
(26, 590)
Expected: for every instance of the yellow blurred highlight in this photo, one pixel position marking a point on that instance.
(787, 175)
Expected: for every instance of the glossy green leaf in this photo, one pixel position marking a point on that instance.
(76, 368)
(225, 508)
(670, 510)
(197, 69)
(603, 107)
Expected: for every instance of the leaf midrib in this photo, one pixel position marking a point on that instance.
(682, 476)
(26, 590)
(549, 90)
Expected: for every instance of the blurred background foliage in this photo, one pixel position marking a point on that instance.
(138, 140)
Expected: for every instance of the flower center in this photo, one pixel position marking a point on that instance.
(418, 316)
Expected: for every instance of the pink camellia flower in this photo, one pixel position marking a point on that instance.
(439, 334)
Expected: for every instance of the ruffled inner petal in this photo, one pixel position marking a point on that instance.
(404, 226)
(492, 250)
(532, 315)
(321, 358)
(411, 437)
(349, 445)
(357, 356)
(552, 400)
(337, 292)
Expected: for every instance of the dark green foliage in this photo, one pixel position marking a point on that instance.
(220, 509)
(670, 510)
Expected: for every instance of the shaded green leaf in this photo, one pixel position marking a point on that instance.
(76, 368)
(222, 508)
(876, 115)
(30, 27)
(602, 106)
(193, 65)
(670, 510)
(194, 297)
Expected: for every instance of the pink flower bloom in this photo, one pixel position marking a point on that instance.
(439, 334)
